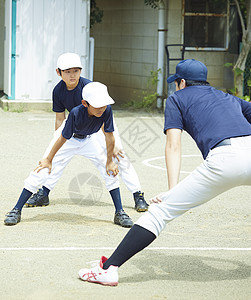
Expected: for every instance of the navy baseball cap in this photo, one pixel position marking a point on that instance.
(189, 69)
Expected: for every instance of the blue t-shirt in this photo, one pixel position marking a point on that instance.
(64, 99)
(81, 123)
(208, 115)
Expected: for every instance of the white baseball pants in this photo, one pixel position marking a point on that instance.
(224, 168)
(88, 147)
(126, 169)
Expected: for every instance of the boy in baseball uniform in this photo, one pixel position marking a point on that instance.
(77, 138)
(66, 95)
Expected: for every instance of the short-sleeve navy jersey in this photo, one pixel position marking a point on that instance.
(81, 123)
(64, 99)
(208, 115)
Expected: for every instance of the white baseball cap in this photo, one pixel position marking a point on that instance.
(69, 60)
(96, 94)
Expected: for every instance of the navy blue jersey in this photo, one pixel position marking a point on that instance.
(64, 99)
(81, 123)
(208, 115)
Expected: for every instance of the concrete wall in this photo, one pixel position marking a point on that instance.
(126, 47)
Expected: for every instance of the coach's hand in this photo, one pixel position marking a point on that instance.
(118, 152)
(112, 168)
(157, 199)
(44, 163)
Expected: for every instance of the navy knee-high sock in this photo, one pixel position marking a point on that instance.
(23, 198)
(45, 190)
(116, 198)
(136, 240)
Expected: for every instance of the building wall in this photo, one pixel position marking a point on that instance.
(126, 47)
(44, 30)
(218, 75)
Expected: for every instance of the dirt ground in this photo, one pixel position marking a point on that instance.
(205, 254)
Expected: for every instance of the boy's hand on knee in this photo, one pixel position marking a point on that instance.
(44, 163)
(112, 168)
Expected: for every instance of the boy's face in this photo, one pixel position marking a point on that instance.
(70, 77)
(93, 111)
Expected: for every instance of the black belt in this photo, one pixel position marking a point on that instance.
(79, 136)
(226, 142)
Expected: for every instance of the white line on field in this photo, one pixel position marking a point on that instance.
(111, 248)
(41, 119)
(147, 163)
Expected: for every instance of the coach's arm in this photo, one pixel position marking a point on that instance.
(173, 155)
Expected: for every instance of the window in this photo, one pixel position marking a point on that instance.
(206, 24)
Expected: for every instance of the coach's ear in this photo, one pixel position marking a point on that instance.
(182, 84)
(85, 103)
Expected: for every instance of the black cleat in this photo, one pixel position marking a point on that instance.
(140, 202)
(122, 219)
(38, 199)
(13, 217)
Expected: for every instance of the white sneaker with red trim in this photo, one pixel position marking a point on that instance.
(99, 275)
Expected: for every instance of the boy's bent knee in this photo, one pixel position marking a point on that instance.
(34, 180)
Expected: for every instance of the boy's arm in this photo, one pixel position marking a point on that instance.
(110, 143)
(60, 116)
(116, 151)
(47, 162)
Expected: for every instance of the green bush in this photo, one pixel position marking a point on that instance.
(148, 99)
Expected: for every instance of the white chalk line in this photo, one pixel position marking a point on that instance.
(111, 248)
(147, 163)
(41, 119)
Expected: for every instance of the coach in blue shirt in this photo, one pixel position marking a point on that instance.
(220, 124)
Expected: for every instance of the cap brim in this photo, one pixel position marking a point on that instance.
(103, 102)
(172, 78)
